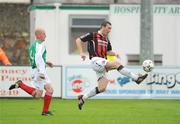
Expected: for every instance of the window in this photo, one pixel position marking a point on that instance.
(82, 24)
(133, 59)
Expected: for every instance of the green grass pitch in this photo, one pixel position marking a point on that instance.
(121, 111)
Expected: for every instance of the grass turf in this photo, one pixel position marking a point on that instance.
(28, 111)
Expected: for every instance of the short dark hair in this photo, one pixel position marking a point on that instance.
(103, 24)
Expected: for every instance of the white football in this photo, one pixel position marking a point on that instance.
(148, 65)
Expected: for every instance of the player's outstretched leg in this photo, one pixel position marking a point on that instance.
(80, 101)
(126, 72)
(141, 78)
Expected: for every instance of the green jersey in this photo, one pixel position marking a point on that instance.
(37, 55)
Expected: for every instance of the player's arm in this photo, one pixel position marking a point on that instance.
(79, 46)
(50, 64)
(83, 38)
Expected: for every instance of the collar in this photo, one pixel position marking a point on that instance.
(39, 41)
(100, 33)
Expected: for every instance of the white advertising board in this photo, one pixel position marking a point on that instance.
(10, 74)
(163, 82)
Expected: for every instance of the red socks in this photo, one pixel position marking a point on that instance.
(47, 101)
(31, 91)
(28, 89)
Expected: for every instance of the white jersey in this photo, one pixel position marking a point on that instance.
(40, 63)
(37, 53)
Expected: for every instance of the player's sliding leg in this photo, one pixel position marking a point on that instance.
(102, 84)
(26, 88)
(47, 100)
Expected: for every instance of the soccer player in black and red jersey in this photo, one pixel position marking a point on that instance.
(99, 47)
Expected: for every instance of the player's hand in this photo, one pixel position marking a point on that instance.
(83, 56)
(49, 64)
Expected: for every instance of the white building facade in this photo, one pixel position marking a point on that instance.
(64, 23)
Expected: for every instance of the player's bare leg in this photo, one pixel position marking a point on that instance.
(102, 84)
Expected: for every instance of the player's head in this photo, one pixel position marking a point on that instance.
(105, 28)
(40, 34)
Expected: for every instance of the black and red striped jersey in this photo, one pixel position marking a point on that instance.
(97, 44)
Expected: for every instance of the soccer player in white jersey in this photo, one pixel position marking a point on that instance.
(37, 57)
(99, 46)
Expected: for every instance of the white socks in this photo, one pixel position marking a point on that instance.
(124, 71)
(92, 93)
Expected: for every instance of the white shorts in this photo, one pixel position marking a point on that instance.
(98, 65)
(37, 81)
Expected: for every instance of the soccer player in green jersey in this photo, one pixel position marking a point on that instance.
(37, 57)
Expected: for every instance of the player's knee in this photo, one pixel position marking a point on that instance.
(102, 89)
(117, 64)
(50, 90)
(38, 96)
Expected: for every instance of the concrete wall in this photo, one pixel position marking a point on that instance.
(14, 26)
(14, 19)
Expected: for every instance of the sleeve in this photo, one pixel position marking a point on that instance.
(109, 47)
(39, 59)
(4, 58)
(6, 61)
(86, 37)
